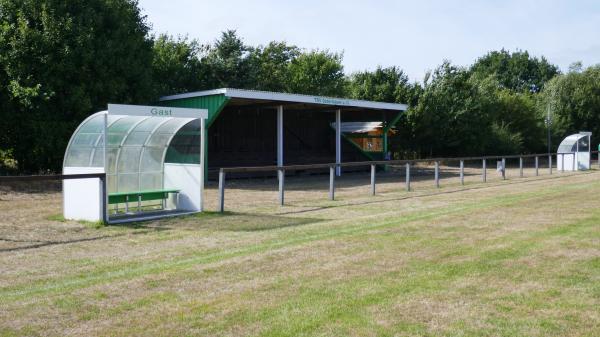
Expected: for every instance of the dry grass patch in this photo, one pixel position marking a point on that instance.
(515, 257)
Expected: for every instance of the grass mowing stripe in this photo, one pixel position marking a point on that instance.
(186, 262)
(171, 266)
(318, 302)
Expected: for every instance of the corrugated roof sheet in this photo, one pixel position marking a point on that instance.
(285, 97)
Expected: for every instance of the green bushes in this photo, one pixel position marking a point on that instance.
(61, 61)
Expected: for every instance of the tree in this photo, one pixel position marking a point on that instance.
(62, 60)
(387, 85)
(515, 113)
(455, 115)
(318, 72)
(516, 71)
(227, 63)
(7, 129)
(176, 65)
(271, 65)
(383, 85)
(574, 102)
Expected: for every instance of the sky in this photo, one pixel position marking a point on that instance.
(416, 36)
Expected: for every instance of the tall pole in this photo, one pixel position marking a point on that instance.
(548, 123)
(338, 141)
(105, 161)
(202, 161)
(280, 135)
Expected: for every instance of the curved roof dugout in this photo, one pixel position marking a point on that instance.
(578, 142)
(136, 149)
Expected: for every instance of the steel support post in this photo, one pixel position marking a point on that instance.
(221, 191)
(521, 167)
(373, 170)
(202, 161)
(280, 135)
(281, 178)
(408, 177)
(332, 173)
(484, 169)
(462, 172)
(437, 174)
(338, 141)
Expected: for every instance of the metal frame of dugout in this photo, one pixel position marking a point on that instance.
(141, 182)
(575, 152)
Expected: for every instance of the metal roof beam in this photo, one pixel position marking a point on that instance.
(287, 97)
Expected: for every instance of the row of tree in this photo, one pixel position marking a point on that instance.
(60, 61)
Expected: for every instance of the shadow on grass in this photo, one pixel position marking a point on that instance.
(213, 221)
(216, 221)
(236, 222)
(40, 244)
(474, 186)
(33, 244)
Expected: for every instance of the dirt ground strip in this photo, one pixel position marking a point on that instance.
(516, 257)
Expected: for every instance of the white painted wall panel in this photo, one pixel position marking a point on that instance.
(186, 178)
(82, 198)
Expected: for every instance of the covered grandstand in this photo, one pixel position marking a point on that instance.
(255, 128)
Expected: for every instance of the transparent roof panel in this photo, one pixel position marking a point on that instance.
(135, 151)
(93, 125)
(149, 124)
(185, 146)
(569, 144)
(151, 160)
(584, 144)
(81, 148)
(136, 138)
(125, 124)
(86, 139)
(172, 126)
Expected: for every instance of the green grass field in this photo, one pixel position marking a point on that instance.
(514, 258)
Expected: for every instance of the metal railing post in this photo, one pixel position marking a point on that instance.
(373, 166)
(373, 169)
(462, 172)
(437, 174)
(408, 177)
(281, 177)
(484, 174)
(104, 199)
(521, 167)
(332, 182)
(221, 190)
(574, 159)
